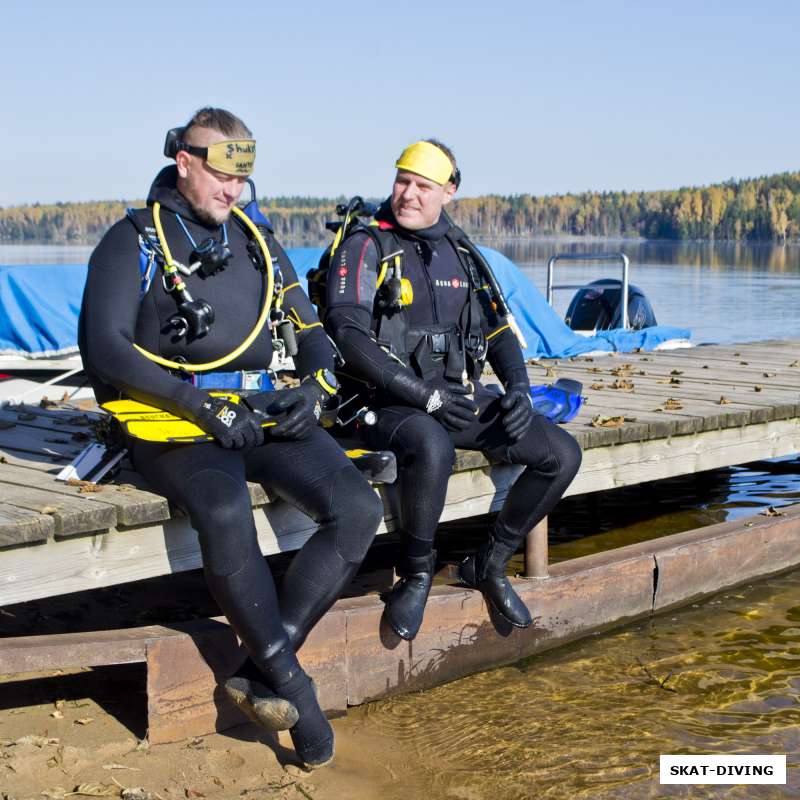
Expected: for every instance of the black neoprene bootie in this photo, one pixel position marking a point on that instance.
(405, 605)
(312, 734)
(485, 571)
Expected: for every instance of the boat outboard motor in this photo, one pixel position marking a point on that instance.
(597, 307)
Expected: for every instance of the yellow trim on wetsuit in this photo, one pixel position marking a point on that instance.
(260, 322)
(499, 330)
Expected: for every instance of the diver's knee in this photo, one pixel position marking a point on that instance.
(356, 511)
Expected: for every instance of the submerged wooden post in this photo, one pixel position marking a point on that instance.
(536, 551)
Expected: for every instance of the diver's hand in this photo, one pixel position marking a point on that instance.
(448, 403)
(517, 411)
(302, 408)
(452, 405)
(231, 424)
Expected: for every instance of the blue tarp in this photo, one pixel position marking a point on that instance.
(39, 308)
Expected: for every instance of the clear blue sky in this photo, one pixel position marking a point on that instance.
(539, 97)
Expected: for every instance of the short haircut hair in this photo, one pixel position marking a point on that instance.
(455, 178)
(218, 119)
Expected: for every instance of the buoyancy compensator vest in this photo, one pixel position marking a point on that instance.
(454, 351)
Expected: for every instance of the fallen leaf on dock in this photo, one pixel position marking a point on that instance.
(595, 369)
(608, 422)
(745, 363)
(622, 370)
(795, 364)
(84, 486)
(723, 401)
(676, 372)
(758, 388)
(769, 374)
(57, 714)
(56, 793)
(705, 366)
(120, 766)
(550, 373)
(771, 511)
(671, 404)
(84, 721)
(671, 381)
(623, 385)
(49, 510)
(597, 386)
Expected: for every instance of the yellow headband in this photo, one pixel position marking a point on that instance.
(426, 159)
(232, 156)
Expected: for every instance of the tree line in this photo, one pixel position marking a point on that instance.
(755, 209)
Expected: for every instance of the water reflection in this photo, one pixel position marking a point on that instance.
(590, 720)
(726, 292)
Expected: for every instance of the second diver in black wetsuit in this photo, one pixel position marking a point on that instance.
(408, 306)
(128, 318)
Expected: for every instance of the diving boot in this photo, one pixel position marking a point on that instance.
(405, 604)
(260, 704)
(485, 570)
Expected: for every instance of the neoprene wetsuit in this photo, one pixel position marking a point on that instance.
(424, 447)
(209, 482)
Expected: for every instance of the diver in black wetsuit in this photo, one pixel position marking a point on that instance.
(408, 307)
(128, 318)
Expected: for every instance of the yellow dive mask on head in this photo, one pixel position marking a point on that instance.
(426, 159)
(231, 156)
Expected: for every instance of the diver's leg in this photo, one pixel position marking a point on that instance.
(425, 457)
(209, 483)
(551, 458)
(315, 476)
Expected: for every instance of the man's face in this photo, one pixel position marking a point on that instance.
(417, 202)
(212, 194)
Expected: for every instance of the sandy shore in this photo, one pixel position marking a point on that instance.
(80, 733)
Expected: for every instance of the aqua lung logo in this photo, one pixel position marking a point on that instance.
(342, 273)
(453, 283)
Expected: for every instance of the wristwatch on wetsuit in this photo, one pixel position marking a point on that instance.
(327, 380)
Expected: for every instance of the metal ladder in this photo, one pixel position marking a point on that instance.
(551, 263)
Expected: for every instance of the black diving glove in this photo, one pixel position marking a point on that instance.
(448, 403)
(300, 409)
(231, 424)
(518, 411)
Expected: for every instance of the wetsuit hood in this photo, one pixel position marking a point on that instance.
(431, 235)
(164, 190)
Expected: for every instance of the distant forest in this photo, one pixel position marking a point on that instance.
(757, 209)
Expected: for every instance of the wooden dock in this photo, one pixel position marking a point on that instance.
(648, 416)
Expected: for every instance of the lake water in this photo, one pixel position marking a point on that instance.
(589, 720)
(722, 292)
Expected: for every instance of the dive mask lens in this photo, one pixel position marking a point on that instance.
(232, 156)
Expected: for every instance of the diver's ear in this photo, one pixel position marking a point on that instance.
(449, 191)
(182, 159)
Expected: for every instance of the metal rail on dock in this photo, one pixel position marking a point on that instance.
(551, 263)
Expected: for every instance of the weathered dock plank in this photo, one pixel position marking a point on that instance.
(70, 515)
(22, 526)
(132, 506)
